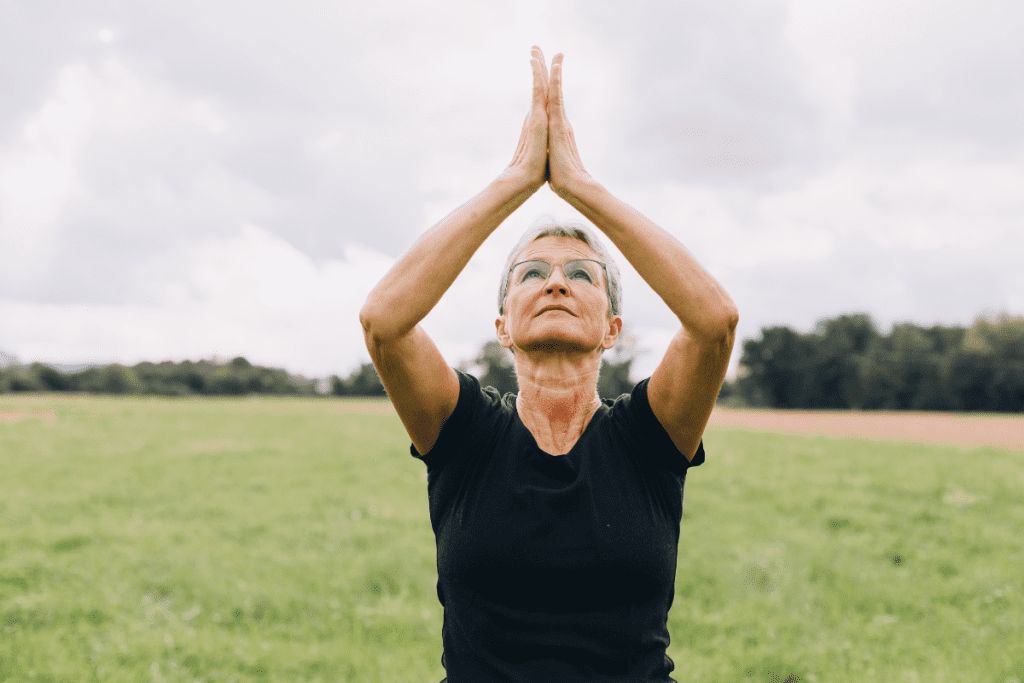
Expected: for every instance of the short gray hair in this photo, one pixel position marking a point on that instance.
(549, 226)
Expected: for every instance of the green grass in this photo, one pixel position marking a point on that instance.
(284, 540)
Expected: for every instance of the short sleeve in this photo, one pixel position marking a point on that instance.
(472, 402)
(653, 441)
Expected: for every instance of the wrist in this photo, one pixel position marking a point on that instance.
(517, 180)
(578, 189)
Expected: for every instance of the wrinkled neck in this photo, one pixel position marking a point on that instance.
(557, 396)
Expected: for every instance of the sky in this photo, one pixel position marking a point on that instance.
(187, 180)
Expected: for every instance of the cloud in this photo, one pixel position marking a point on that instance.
(37, 177)
(701, 92)
(930, 74)
(112, 175)
(936, 241)
(817, 157)
(249, 294)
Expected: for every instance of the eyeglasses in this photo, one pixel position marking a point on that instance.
(585, 270)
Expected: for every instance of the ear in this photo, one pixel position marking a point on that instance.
(504, 338)
(612, 334)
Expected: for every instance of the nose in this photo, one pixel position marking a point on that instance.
(556, 280)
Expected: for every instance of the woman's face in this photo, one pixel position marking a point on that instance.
(558, 313)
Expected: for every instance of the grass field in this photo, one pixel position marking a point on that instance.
(147, 539)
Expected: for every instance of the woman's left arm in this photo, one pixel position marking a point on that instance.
(683, 388)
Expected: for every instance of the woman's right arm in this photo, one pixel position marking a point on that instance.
(422, 386)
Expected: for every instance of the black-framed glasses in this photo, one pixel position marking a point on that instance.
(583, 270)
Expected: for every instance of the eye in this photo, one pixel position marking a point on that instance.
(581, 275)
(582, 271)
(531, 274)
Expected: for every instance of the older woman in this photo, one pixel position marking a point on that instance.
(556, 515)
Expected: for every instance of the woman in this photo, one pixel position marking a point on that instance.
(556, 515)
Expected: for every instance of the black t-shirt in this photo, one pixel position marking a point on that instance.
(555, 568)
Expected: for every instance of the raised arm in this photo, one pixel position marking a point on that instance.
(683, 388)
(422, 386)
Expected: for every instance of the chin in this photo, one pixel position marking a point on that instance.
(559, 344)
(557, 335)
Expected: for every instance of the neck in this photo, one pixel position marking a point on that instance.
(557, 396)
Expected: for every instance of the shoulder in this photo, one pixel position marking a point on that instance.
(631, 415)
(478, 408)
(474, 398)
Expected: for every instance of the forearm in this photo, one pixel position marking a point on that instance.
(423, 274)
(699, 301)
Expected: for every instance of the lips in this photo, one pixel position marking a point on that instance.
(556, 308)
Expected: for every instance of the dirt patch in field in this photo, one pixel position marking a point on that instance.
(1000, 431)
(12, 416)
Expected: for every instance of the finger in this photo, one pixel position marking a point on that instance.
(540, 89)
(539, 55)
(540, 79)
(555, 83)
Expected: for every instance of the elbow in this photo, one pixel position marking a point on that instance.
(379, 325)
(366, 316)
(730, 319)
(719, 330)
(372, 323)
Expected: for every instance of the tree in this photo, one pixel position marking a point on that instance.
(364, 381)
(166, 378)
(987, 371)
(901, 371)
(840, 345)
(616, 365)
(19, 378)
(110, 379)
(50, 378)
(498, 367)
(846, 363)
(614, 378)
(777, 369)
(1007, 341)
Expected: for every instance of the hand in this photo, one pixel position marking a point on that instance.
(565, 169)
(530, 160)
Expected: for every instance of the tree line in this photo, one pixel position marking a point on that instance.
(239, 377)
(203, 378)
(494, 367)
(846, 362)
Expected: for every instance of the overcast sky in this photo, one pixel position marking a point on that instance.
(220, 178)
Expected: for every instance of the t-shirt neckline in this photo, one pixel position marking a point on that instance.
(540, 452)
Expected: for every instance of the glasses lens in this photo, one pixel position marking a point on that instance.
(531, 270)
(583, 270)
(579, 270)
